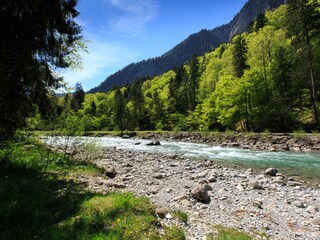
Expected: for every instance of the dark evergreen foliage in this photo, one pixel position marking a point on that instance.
(119, 110)
(193, 83)
(240, 55)
(36, 36)
(77, 97)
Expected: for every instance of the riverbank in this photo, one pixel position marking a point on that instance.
(41, 198)
(276, 206)
(257, 141)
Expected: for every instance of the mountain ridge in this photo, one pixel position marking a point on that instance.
(195, 44)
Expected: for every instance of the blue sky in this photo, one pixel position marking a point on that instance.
(124, 31)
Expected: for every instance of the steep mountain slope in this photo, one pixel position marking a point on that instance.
(196, 44)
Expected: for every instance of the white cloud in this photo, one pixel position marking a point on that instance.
(102, 60)
(135, 15)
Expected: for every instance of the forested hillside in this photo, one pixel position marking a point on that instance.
(266, 79)
(196, 44)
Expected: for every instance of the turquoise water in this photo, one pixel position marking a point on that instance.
(289, 162)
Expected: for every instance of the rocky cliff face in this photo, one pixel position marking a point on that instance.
(196, 44)
(249, 12)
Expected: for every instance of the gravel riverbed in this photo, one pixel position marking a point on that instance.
(278, 206)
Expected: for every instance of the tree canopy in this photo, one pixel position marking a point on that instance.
(36, 39)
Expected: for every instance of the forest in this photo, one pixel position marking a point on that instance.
(266, 79)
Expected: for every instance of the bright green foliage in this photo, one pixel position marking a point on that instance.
(265, 79)
(174, 233)
(71, 125)
(225, 233)
(181, 216)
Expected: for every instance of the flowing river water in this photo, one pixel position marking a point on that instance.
(306, 164)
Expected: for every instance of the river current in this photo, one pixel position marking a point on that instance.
(289, 162)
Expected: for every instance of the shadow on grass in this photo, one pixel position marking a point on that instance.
(31, 205)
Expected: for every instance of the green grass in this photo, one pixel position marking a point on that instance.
(225, 233)
(51, 205)
(174, 233)
(115, 216)
(181, 216)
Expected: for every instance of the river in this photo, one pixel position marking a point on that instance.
(305, 164)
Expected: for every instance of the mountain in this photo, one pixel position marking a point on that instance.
(196, 44)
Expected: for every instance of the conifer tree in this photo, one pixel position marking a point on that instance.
(36, 38)
(119, 110)
(77, 97)
(239, 55)
(194, 83)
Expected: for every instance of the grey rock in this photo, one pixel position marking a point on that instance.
(207, 187)
(271, 172)
(154, 143)
(256, 185)
(257, 204)
(111, 172)
(240, 187)
(186, 203)
(294, 183)
(212, 178)
(161, 212)
(180, 197)
(127, 178)
(114, 184)
(312, 209)
(158, 176)
(299, 204)
(200, 194)
(315, 221)
(279, 180)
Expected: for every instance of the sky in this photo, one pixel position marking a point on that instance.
(120, 32)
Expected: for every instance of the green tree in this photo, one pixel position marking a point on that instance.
(136, 95)
(157, 108)
(77, 97)
(303, 24)
(283, 87)
(119, 110)
(261, 21)
(179, 91)
(239, 55)
(36, 38)
(194, 83)
(93, 108)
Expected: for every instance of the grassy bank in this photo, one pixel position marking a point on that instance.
(40, 200)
